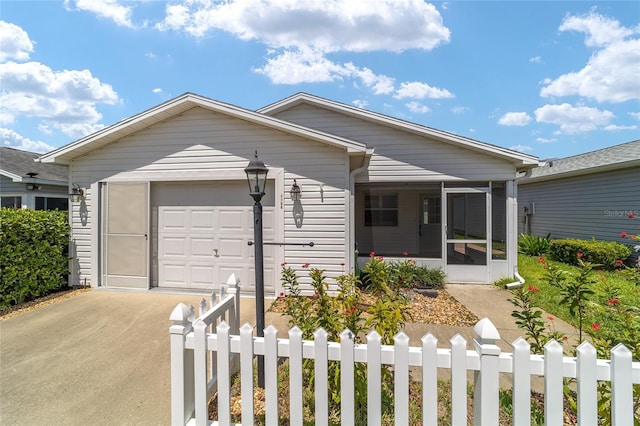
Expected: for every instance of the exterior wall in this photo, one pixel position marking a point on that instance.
(203, 145)
(584, 207)
(9, 188)
(401, 156)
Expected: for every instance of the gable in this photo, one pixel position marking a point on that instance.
(400, 154)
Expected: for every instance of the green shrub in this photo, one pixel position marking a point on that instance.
(33, 254)
(402, 275)
(532, 245)
(609, 255)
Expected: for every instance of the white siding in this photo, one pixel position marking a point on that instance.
(202, 145)
(403, 156)
(584, 207)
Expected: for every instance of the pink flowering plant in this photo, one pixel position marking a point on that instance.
(339, 308)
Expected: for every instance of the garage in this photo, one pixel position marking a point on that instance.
(201, 232)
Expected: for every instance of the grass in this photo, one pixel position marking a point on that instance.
(610, 284)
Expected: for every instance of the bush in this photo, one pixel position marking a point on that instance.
(609, 255)
(534, 246)
(33, 254)
(403, 275)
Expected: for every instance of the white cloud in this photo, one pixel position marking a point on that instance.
(459, 109)
(329, 26)
(536, 59)
(151, 55)
(635, 115)
(521, 148)
(546, 140)
(311, 66)
(109, 9)
(417, 90)
(515, 119)
(14, 140)
(66, 100)
(360, 103)
(611, 74)
(599, 29)
(300, 34)
(614, 127)
(417, 107)
(573, 119)
(14, 42)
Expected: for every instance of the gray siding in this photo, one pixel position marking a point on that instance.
(400, 155)
(203, 145)
(584, 207)
(9, 187)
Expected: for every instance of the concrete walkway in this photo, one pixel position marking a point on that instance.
(102, 357)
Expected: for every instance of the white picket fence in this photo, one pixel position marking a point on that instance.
(207, 351)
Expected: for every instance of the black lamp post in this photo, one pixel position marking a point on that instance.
(257, 178)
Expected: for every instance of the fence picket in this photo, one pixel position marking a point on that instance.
(587, 384)
(295, 375)
(429, 380)
(621, 386)
(374, 379)
(271, 375)
(321, 370)
(246, 371)
(458, 380)
(200, 371)
(521, 389)
(192, 341)
(553, 386)
(347, 399)
(401, 379)
(224, 379)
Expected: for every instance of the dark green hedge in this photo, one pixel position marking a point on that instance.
(604, 253)
(33, 254)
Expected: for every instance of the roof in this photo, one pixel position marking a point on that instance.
(177, 106)
(611, 158)
(16, 165)
(518, 158)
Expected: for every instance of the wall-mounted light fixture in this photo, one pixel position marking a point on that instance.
(295, 192)
(76, 194)
(33, 187)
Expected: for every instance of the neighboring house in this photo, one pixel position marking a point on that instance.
(166, 201)
(585, 196)
(28, 184)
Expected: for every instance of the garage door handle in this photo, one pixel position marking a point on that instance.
(215, 253)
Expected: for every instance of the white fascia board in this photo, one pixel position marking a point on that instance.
(11, 176)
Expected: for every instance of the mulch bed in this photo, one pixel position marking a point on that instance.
(441, 310)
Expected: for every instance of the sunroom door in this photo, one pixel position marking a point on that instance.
(467, 230)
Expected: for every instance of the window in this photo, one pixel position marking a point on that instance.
(12, 202)
(381, 210)
(52, 203)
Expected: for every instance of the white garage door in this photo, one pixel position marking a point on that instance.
(201, 233)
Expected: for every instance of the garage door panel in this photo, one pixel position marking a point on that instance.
(202, 220)
(172, 219)
(201, 247)
(197, 218)
(173, 246)
(232, 219)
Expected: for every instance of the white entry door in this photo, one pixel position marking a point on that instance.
(202, 230)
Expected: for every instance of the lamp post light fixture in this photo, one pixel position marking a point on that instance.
(76, 194)
(257, 178)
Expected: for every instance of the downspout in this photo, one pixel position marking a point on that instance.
(352, 208)
(518, 277)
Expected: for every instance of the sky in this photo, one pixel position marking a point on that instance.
(547, 78)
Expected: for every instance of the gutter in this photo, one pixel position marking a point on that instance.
(352, 205)
(519, 280)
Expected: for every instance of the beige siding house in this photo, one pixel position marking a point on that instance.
(166, 204)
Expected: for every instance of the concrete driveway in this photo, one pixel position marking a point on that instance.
(99, 358)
